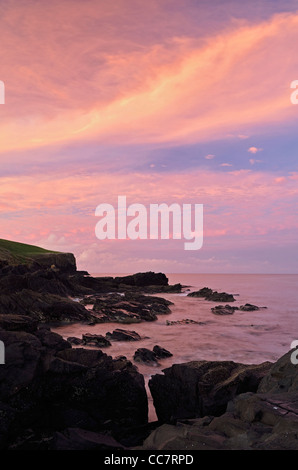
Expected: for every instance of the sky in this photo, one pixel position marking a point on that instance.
(163, 102)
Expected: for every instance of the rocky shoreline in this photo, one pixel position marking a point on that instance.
(226, 406)
(56, 394)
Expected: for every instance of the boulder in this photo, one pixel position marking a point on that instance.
(200, 388)
(226, 310)
(161, 353)
(145, 355)
(112, 395)
(263, 419)
(282, 377)
(204, 293)
(249, 308)
(209, 294)
(220, 297)
(53, 342)
(144, 279)
(123, 335)
(86, 357)
(95, 340)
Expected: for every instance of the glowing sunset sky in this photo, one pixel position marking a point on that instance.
(161, 101)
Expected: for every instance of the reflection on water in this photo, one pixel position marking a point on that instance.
(247, 337)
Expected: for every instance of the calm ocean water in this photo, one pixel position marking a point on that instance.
(247, 337)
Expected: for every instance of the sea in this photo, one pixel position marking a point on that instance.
(245, 337)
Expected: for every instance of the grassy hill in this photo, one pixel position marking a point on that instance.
(20, 253)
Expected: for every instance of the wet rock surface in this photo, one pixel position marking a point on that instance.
(123, 335)
(249, 308)
(147, 356)
(95, 340)
(161, 353)
(45, 293)
(209, 294)
(226, 310)
(229, 310)
(128, 308)
(184, 321)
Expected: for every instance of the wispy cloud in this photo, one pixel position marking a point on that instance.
(157, 93)
(126, 97)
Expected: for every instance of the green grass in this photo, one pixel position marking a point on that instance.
(16, 252)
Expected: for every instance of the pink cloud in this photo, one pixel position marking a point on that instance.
(254, 150)
(58, 212)
(81, 83)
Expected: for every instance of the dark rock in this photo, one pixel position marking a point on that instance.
(128, 308)
(75, 341)
(253, 421)
(265, 420)
(204, 293)
(83, 273)
(282, 377)
(144, 279)
(18, 323)
(112, 394)
(59, 366)
(140, 282)
(161, 352)
(52, 341)
(65, 310)
(95, 340)
(53, 390)
(158, 305)
(220, 310)
(22, 361)
(123, 335)
(145, 355)
(65, 262)
(183, 437)
(249, 308)
(43, 307)
(272, 421)
(221, 297)
(8, 424)
(209, 294)
(86, 357)
(200, 388)
(185, 321)
(81, 439)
